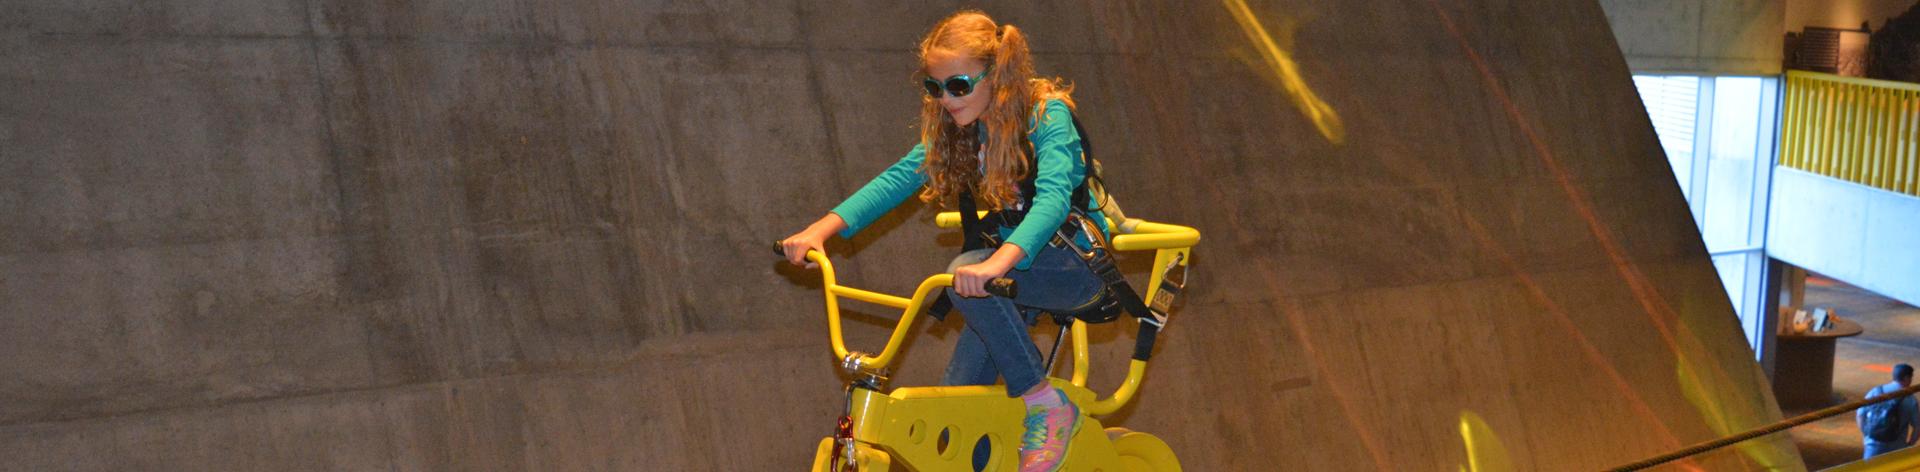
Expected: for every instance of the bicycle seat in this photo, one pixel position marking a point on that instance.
(1102, 309)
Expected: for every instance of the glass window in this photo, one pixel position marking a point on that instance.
(1733, 276)
(1718, 136)
(1670, 102)
(1730, 166)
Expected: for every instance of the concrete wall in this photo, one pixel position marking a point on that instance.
(1843, 14)
(1865, 236)
(497, 235)
(1701, 37)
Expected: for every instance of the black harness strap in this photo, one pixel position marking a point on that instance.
(976, 235)
(1119, 296)
(1082, 196)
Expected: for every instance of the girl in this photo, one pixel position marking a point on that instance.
(986, 125)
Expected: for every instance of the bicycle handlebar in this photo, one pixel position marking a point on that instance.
(910, 309)
(997, 286)
(1130, 235)
(1172, 246)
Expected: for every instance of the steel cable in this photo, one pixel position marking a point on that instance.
(1782, 425)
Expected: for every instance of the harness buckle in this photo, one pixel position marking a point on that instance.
(1171, 283)
(1076, 221)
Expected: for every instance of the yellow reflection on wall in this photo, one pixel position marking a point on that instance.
(1316, 110)
(1485, 452)
(1727, 407)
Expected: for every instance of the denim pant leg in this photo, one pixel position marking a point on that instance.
(1875, 448)
(970, 364)
(996, 339)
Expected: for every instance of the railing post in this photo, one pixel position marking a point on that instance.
(1882, 126)
(1877, 136)
(1887, 137)
(1787, 140)
(1830, 126)
(1910, 147)
(1850, 166)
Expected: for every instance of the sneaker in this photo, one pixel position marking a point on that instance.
(1049, 429)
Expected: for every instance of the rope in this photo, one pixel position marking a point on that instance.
(1821, 414)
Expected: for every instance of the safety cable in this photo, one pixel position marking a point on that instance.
(1818, 415)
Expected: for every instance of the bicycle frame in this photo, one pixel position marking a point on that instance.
(928, 428)
(1173, 249)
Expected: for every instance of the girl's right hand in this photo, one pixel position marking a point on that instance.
(797, 245)
(813, 238)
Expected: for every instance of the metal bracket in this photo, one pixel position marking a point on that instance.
(863, 375)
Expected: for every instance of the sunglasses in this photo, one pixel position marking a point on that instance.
(957, 86)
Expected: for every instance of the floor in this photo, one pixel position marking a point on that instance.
(1891, 336)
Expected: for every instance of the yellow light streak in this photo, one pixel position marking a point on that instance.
(1485, 452)
(1287, 71)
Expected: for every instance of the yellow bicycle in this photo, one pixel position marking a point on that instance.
(941, 428)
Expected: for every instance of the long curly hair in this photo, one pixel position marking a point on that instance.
(952, 162)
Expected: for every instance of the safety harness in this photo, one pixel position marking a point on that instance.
(1117, 297)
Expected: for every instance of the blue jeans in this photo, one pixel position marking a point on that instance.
(996, 343)
(1874, 448)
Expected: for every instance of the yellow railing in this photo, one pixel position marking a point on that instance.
(1859, 130)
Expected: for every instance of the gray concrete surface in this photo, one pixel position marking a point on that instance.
(349, 235)
(1706, 37)
(1882, 229)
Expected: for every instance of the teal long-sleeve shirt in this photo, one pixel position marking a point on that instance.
(1059, 169)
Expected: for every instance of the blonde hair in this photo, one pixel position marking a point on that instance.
(952, 164)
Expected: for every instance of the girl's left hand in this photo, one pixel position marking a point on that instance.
(971, 280)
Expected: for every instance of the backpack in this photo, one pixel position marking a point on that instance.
(1881, 422)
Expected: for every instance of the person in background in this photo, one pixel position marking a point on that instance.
(1889, 425)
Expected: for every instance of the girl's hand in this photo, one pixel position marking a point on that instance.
(797, 245)
(971, 280)
(813, 238)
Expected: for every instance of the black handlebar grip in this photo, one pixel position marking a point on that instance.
(1003, 287)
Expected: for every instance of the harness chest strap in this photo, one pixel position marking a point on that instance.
(1118, 296)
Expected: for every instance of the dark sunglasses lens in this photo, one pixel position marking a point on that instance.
(933, 88)
(959, 88)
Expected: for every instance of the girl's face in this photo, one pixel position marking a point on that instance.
(944, 64)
